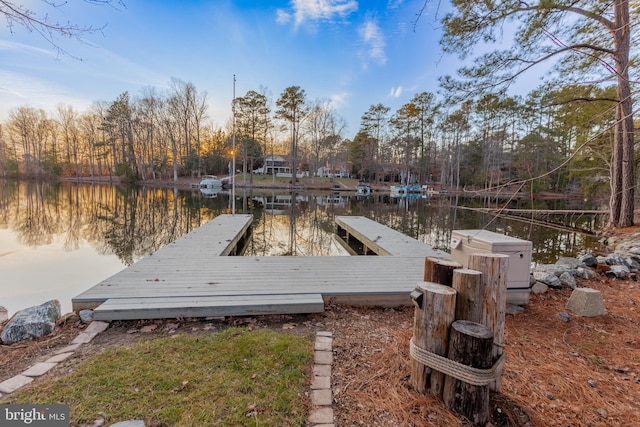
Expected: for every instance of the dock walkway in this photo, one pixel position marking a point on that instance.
(189, 278)
(383, 240)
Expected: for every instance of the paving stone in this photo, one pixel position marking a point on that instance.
(319, 382)
(12, 384)
(130, 423)
(96, 327)
(323, 357)
(60, 357)
(83, 338)
(321, 397)
(325, 333)
(322, 370)
(322, 346)
(321, 416)
(324, 425)
(320, 338)
(39, 369)
(67, 349)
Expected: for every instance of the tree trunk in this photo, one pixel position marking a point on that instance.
(470, 344)
(431, 332)
(439, 271)
(468, 285)
(494, 268)
(624, 117)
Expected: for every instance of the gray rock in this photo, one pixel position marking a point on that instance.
(633, 264)
(567, 280)
(589, 260)
(564, 316)
(4, 314)
(86, 316)
(568, 262)
(616, 259)
(586, 302)
(31, 322)
(547, 278)
(619, 271)
(586, 273)
(539, 288)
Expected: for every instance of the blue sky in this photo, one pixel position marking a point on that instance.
(354, 53)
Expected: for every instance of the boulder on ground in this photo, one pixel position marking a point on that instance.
(547, 278)
(32, 322)
(586, 302)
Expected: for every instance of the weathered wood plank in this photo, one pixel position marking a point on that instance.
(385, 241)
(238, 305)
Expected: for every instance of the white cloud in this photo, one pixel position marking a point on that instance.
(316, 10)
(395, 92)
(283, 17)
(373, 41)
(339, 99)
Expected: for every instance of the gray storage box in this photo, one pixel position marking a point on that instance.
(467, 242)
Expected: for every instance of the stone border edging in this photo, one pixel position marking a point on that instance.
(321, 414)
(41, 368)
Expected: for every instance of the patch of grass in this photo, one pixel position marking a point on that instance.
(237, 377)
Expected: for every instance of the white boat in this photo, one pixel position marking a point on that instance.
(210, 181)
(210, 192)
(363, 189)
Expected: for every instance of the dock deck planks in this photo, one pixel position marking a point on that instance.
(189, 278)
(384, 240)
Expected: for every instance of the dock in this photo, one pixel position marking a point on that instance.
(382, 240)
(192, 278)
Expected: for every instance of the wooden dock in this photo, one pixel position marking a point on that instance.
(382, 240)
(189, 278)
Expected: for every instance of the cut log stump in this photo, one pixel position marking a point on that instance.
(432, 319)
(470, 344)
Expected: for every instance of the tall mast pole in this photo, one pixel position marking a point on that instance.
(233, 150)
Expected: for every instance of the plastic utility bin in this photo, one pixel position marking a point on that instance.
(467, 242)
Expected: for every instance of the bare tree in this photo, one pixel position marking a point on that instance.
(19, 15)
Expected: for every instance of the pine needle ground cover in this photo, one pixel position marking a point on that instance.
(235, 377)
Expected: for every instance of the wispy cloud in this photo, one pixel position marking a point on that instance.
(395, 92)
(338, 100)
(303, 11)
(373, 41)
(6, 45)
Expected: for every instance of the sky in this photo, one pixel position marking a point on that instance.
(352, 53)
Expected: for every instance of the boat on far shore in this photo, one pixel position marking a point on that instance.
(210, 181)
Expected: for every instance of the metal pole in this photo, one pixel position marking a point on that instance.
(233, 150)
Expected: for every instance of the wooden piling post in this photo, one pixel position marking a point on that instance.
(468, 285)
(494, 268)
(470, 344)
(433, 315)
(437, 270)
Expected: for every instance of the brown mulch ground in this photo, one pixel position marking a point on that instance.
(584, 372)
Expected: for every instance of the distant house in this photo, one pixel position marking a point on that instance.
(274, 164)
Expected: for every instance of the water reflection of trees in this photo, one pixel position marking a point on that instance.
(132, 222)
(127, 221)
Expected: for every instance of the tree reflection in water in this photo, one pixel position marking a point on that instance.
(132, 222)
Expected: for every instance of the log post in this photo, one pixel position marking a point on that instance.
(440, 271)
(468, 285)
(470, 344)
(434, 313)
(494, 269)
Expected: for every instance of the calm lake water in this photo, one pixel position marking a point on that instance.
(59, 239)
